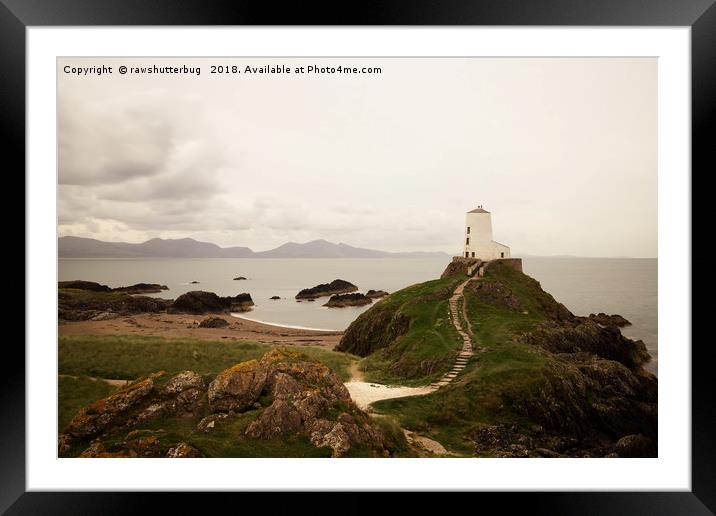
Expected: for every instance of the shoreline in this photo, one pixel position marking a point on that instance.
(287, 326)
(187, 326)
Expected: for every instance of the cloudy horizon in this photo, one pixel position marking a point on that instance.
(561, 151)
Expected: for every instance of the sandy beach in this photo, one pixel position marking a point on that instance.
(187, 326)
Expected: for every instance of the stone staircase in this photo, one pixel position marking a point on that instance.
(465, 333)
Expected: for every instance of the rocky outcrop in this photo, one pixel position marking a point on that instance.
(495, 293)
(609, 320)
(239, 278)
(84, 285)
(460, 266)
(337, 286)
(183, 450)
(214, 322)
(340, 300)
(238, 387)
(200, 302)
(142, 288)
(376, 294)
(603, 341)
(284, 395)
(84, 305)
(275, 297)
(373, 330)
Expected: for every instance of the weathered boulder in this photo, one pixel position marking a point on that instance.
(238, 387)
(341, 300)
(183, 450)
(337, 286)
(214, 322)
(110, 410)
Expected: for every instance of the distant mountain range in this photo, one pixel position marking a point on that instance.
(77, 247)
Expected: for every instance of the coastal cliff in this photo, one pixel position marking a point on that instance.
(541, 382)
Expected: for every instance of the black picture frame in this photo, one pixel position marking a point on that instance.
(699, 15)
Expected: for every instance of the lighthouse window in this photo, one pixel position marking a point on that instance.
(468, 230)
(467, 241)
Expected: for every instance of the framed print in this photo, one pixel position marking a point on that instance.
(441, 249)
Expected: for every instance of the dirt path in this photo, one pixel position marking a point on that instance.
(114, 383)
(465, 332)
(187, 326)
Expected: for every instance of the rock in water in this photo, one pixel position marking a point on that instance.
(340, 300)
(275, 297)
(142, 288)
(337, 286)
(84, 285)
(374, 294)
(200, 302)
(239, 278)
(609, 320)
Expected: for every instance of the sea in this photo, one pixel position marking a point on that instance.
(624, 286)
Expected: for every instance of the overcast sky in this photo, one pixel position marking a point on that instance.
(561, 151)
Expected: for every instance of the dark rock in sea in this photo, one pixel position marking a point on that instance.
(200, 302)
(609, 320)
(194, 282)
(275, 297)
(337, 286)
(239, 278)
(214, 322)
(84, 285)
(375, 294)
(341, 300)
(142, 288)
(241, 302)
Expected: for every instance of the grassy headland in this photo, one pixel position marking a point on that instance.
(541, 378)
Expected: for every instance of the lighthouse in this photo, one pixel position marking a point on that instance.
(478, 237)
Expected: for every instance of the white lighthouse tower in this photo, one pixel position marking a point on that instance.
(478, 237)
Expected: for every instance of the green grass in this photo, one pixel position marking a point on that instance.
(506, 370)
(426, 351)
(75, 393)
(129, 357)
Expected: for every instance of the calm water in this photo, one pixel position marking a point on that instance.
(624, 286)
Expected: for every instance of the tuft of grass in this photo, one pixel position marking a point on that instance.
(129, 357)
